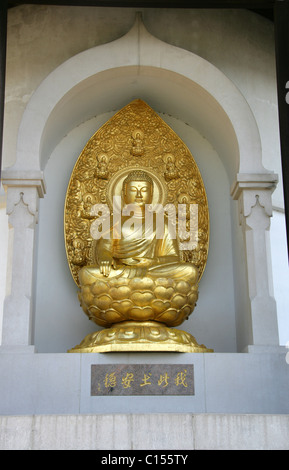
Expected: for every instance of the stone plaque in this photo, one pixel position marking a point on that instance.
(142, 379)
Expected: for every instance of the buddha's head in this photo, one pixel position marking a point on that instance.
(138, 188)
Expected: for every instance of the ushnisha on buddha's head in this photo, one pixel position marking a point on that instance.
(137, 188)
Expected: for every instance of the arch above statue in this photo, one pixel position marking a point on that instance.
(107, 77)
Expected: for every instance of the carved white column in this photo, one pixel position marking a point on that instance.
(254, 193)
(22, 209)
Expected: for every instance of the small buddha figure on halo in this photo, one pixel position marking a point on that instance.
(171, 171)
(102, 172)
(137, 144)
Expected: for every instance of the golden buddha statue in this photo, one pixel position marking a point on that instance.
(136, 282)
(138, 252)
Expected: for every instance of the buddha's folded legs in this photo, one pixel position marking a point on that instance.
(89, 274)
(174, 270)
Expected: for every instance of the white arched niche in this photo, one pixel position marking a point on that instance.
(60, 322)
(184, 89)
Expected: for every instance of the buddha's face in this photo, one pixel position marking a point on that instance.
(138, 192)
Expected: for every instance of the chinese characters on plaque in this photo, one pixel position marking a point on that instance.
(142, 379)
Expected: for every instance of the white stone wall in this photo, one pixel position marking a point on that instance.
(280, 273)
(239, 43)
(3, 251)
(175, 432)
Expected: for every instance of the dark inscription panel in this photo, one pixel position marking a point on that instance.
(142, 379)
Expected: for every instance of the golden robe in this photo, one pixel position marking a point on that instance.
(149, 256)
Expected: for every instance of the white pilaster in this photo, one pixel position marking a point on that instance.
(253, 193)
(22, 209)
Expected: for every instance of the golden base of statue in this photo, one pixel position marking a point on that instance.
(137, 313)
(139, 336)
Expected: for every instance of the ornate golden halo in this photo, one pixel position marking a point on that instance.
(107, 158)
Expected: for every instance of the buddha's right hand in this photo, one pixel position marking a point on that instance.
(105, 267)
